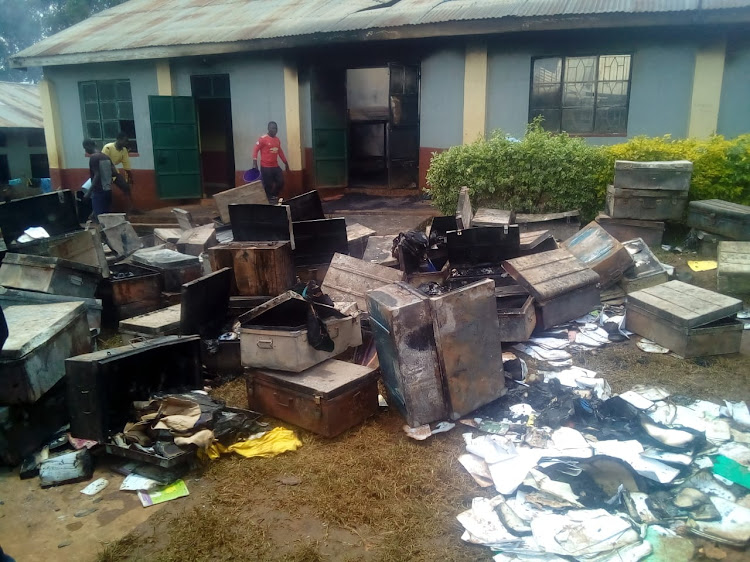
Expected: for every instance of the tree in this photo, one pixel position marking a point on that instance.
(25, 22)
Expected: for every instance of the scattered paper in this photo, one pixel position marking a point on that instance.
(477, 468)
(134, 482)
(543, 354)
(95, 487)
(650, 347)
(423, 431)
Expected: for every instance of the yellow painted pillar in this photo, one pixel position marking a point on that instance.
(52, 127)
(164, 78)
(707, 79)
(475, 92)
(292, 114)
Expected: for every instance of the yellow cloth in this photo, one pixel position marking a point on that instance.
(117, 156)
(278, 440)
(706, 265)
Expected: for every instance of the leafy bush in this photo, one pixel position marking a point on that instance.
(546, 172)
(721, 167)
(541, 173)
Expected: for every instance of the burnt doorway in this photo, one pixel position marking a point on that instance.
(365, 124)
(214, 107)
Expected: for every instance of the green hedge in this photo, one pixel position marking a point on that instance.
(546, 172)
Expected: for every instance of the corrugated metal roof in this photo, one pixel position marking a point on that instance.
(20, 106)
(155, 24)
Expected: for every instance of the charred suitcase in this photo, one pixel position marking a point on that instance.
(601, 252)
(401, 322)
(305, 207)
(129, 291)
(348, 279)
(720, 217)
(275, 335)
(733, 273)
(260, 268)
(562, 286)
(250, 193)
(646, 204)
(54, 276)
(690, 321)
(316, 241)
(41, 337)
(651, 232)
(103, 385)
(484, 245)
(175, 268)
(467, 337)
(55, 212)
(672, 175)
(326, 399)
(164, 322)
(82, 246)
(450, 370)
(516, 314)
(261, 223)
(647, 271)
(205, 303)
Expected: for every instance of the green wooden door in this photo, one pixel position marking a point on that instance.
(174, 130)
(329, 124)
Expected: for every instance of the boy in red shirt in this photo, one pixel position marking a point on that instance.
(270, 150)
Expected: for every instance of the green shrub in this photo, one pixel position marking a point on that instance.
(547, 173)
(541, 173)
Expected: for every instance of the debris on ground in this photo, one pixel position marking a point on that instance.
(480, 322)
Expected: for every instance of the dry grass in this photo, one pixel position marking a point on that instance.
(383, 496)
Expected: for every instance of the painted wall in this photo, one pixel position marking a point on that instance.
(65, 79)
(661, 80)
(734, 111)
(257, 92)
(442, 99)
(18, 151)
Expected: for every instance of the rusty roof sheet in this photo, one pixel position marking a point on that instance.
(149, 28)
(20, 106)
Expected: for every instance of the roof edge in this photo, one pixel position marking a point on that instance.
(419, 31)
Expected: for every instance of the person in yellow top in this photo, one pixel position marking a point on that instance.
(118, 153)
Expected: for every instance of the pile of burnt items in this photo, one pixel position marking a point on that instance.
(583, 474)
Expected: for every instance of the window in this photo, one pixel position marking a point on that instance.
(4, 169)
(210, 86)
(35, 138)
(107, 109)
(39, 165)
(581, 95)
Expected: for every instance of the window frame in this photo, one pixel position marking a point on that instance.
(83, 101)
(563, 59)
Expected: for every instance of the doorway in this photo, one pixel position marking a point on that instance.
(366, 126)
(214, 107)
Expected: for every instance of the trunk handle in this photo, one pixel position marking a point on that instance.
(280, 402)
(265, 344)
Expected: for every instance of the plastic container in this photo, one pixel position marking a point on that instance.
(253, 174)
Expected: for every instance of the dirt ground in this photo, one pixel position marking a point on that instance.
(371, 494)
